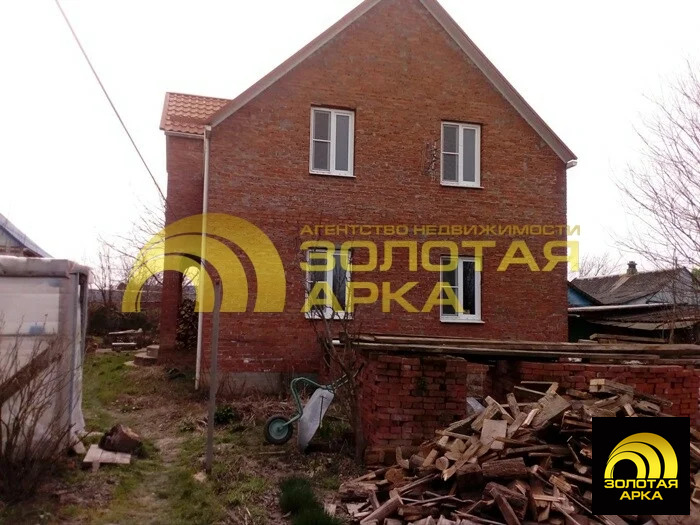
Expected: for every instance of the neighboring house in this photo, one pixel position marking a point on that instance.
(663, 304)
(339, 134)
(14, 242)
(578, 297)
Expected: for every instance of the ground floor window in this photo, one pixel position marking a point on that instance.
(327, 281)
(459, 275)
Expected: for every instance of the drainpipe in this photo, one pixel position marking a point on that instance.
(205, 208)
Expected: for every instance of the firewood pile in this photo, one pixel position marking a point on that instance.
(528, 460)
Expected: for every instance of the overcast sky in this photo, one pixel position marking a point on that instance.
(69, 174)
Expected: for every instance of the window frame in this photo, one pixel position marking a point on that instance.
(332, 141)
(328, 312)
(461, 317)
(460, 182)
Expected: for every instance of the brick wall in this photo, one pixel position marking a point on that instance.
(402, 75)
(678, 384)
(403, 400)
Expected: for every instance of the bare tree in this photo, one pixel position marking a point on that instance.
(336, 323)
(125, 249)
(662, 192)
(108, 273)
(592, 265)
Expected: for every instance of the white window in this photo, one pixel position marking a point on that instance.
(335, 279)
(332, 142)
(461, 155)
(461, 277)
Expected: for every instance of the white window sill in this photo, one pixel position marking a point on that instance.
(460, 185)
(331, 174)
(460, 320)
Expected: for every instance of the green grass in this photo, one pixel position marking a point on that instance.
(104, 378)
(296, 495)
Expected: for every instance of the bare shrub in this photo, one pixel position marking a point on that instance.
(34, 419)
(336, 327)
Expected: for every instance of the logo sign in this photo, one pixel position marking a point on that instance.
(209, 247)
(182, 245)
(641, 466)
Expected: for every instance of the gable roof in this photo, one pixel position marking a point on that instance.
(452, 29)
(621, 289)
(15, 233)
(583, 294)
(188, 114)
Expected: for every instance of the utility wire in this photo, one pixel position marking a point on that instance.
(104, 90)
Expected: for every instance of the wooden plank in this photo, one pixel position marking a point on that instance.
(385, 510)
(504, 414)
(491, 353)
(552, 406)
(671, 349)
(492, 429)
(513, 405)
(97, 456)
(515, 425)
(506, 510)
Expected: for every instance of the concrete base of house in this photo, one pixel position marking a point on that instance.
(236, 384)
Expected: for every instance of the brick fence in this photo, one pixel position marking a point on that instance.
(403, 400)
(678, 384)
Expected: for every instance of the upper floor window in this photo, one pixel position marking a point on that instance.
(332, 142)
(461, 154)
(460, 275)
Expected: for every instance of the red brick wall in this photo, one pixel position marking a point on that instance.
(676, 383)
(403, 400)
(185, 165)
(402, 75)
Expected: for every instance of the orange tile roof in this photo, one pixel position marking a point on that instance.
(188, 113)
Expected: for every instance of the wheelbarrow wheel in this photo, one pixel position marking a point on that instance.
(277, 432)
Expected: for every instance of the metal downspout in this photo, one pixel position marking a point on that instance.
(200, 290)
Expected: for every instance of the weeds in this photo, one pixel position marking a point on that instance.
(225, 415)
(298, 498)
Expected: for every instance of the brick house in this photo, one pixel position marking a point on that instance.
(391, 116)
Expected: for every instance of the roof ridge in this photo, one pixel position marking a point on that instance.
(453, 30)
(644, 272)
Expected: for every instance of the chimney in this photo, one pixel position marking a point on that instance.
(632, 268)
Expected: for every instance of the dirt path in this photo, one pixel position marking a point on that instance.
(161, 488)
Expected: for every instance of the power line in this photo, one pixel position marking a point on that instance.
(104, 90)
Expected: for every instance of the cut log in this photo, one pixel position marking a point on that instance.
(395, 476)
(505, 469)
(121, 439)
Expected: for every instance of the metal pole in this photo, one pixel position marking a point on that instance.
(213, 379)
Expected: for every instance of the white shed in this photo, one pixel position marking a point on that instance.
(43, 316)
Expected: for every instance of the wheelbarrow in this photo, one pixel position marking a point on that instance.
(279, 429)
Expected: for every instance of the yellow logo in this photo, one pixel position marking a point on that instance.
(649, 453)
(182, 246)
(643, 450)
